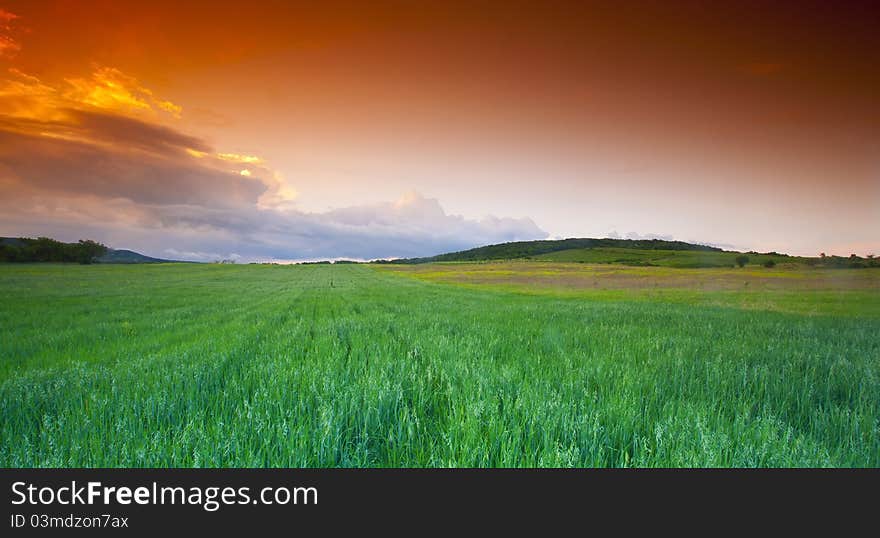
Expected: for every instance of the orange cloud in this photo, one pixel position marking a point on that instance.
(8, 45)
(26, 96)
(111, 89)
(6, 18)
(236, 158)
(110, 117)
(107, 90)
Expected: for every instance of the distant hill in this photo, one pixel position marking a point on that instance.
(531, 249)
(637, 252)
(127, 256)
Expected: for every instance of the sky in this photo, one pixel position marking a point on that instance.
(290, 131)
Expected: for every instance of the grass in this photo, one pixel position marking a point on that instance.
(352, 365)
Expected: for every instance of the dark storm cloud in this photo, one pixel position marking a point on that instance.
(133, 133)
(89, 166)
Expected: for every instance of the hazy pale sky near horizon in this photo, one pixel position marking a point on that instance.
(382, 129)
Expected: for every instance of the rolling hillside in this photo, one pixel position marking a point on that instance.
(530, 249)
(632, 252)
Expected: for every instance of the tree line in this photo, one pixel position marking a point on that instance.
(45, 249)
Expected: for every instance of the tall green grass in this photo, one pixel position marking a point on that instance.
(201, 365)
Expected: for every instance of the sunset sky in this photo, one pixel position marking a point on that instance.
(271, 130)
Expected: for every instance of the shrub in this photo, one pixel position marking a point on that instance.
(742, 260)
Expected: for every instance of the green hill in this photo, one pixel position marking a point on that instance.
(638, 252)
(531, 249)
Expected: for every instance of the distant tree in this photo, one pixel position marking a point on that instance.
(821, 254)
(769, 263)
(45, 249)
(742, 260)
(8, 253)
(87, 251)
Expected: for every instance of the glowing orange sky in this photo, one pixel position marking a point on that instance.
(750, 125)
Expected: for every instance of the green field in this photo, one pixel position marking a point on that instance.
(797, 289)
(511, 364)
